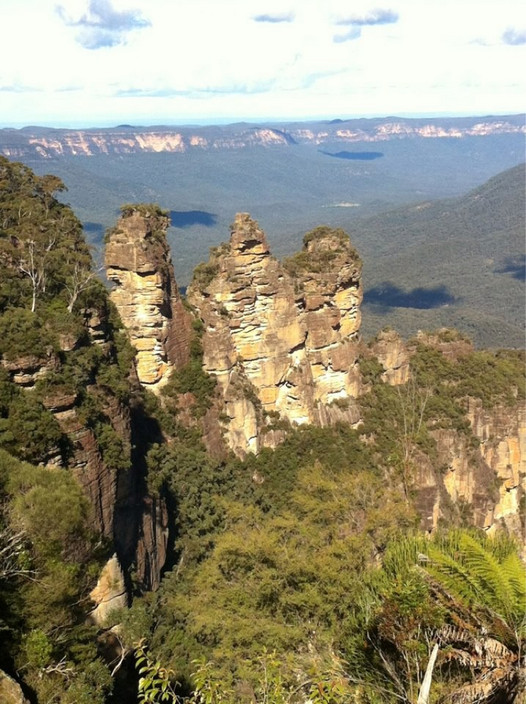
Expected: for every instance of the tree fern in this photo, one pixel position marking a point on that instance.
(486, 574)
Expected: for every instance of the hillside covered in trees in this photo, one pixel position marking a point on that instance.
(329, 566)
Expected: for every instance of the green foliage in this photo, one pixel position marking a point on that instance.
(204, 274)
(30, 431)
(492, 377)
(22, 334)
(487, 575)
(44, 632)
(283, 574)
(328, 243)
(461, 589)
(146, 209)
(191, 377)
(37, 649)
(42, 252)
(154, 680)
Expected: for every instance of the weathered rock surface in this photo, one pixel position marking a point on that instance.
(479, 477)
(145, 294)
(392, 353)
(109, 593)
(485, 483)
(280, 338)
(10, 691)
(502, 436)
(26, 371)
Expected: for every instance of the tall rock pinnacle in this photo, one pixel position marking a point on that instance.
(138, 263)
(284, 335)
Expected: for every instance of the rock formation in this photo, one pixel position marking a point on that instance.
(10, 691)
(487, 482)
(281, 339)
(483, 474)
(145, 293)
(109, 593)
(391, 352)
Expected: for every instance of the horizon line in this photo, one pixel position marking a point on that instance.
(222, 121)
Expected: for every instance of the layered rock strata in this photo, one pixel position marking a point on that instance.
(281, 339)
(479, 475)
(145, 293)
(488, 481)
(390, 350)
(38, 142)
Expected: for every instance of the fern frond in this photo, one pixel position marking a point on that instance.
(493, 588)
(515, 573)
(452, 575)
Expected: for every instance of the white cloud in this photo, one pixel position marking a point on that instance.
(159, 60)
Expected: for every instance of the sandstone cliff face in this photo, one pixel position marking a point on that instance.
(146, 296)
(488, 480)
(280, 338)
(392, 353)
(478, 476)
(502, 436)
(39, 143)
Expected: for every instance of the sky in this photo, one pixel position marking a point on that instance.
(82, 63)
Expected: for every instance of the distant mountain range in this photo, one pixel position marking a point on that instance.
(31, 142)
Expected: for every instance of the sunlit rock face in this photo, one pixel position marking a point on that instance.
(145, 293)
(390, 350)
(486, 479)
(502, 435)
(109, 594)
(281, 338)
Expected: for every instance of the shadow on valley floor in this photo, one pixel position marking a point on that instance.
(516, 266)
(354, 156)
(187, 218)
(387, 295)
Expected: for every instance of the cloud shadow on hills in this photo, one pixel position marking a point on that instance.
(387, 295)
(515, 266)
(188, 218)
(354, 156)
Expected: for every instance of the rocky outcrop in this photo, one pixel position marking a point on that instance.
(501, 432)
(390, 350)
(10, 691)
(483, 477)
(145, 293)
(26, 371)
(281, 339)
(109, 593)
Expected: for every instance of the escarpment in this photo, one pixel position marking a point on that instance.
(470, 405)
(281, 339)
(145, 293)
